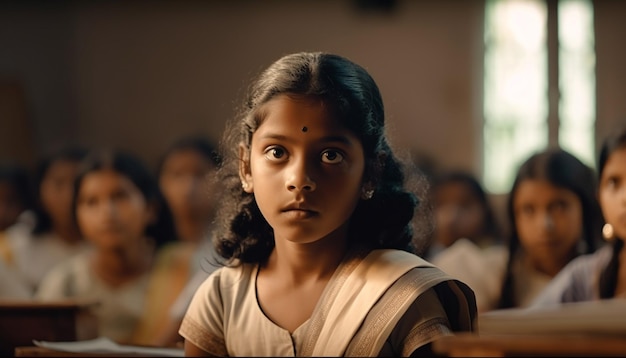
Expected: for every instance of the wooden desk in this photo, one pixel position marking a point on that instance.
(23, 321)
(511, 345)
(45, 352)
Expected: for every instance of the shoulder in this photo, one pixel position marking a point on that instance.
(227, 280)
(588, 264)
(79, 263)
(576, 281)
(58, 282)
(394, 257)
(602, 256)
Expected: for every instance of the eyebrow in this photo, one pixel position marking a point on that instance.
(327, 139)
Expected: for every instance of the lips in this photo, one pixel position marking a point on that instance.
(299, 211)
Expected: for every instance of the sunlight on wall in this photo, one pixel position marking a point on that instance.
(516, 85)
(577, 79)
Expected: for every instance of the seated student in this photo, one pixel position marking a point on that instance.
(186, 176)
(600, 275)
(315, 229)
(208, 262)
(15, 194)
(462, 210)
(15, 203)
(51, 237)
(554, 217)
(119, 210)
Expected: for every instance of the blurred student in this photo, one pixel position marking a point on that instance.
(554, 217)
(15, 194)
(462, 210)
(119, 210)
(601, 275)
(36, 245)
(186, 176)
(15, 201)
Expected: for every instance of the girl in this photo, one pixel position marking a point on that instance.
(462, 210)
(553, 217)
(601, 275)
(186, 175)
(315, 224)
(50, 236)
(118, 209)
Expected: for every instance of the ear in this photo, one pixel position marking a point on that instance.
(244, 169)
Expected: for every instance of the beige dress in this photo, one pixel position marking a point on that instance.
(33, 256)
(118, 310)
(386, 303)
(483, 269)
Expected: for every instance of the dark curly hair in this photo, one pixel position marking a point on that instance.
(384, 221)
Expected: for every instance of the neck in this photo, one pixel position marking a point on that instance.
(121, 264)
(299, 263)
(67, 233)
(550, 267)
(191, 229)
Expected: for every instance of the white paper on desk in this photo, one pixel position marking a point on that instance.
(105, 345)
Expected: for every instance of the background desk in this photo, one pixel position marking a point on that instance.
(510, 345)
(45, 352)
(23, 321)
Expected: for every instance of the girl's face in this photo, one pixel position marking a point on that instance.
(56, 191)
(185, 185)
(612, 191)
(458, 213)
(549, 221)
(111, 211)
(305, 170)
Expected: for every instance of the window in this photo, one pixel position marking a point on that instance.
(530, 103)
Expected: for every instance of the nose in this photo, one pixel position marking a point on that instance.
(548, 222)
(299, 178)
(109, 209)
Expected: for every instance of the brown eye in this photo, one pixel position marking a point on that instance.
(332, 157)
(276, 154)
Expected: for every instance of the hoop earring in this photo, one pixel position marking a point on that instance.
(608, 232)
(367, 194)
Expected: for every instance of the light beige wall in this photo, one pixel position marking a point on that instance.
(610, 24)
(138, 74)
(142, 73)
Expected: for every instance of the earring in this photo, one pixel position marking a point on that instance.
(367, 194)
(607, 232)
(244, 186)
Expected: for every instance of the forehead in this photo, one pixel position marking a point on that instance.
(541, 191)
(616, 162)
(185, 157)
(300, 117)
(105, 179)
(62, 167)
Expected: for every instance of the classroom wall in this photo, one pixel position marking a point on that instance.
(138, 74)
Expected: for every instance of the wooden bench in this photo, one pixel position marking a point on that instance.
(21, 322)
